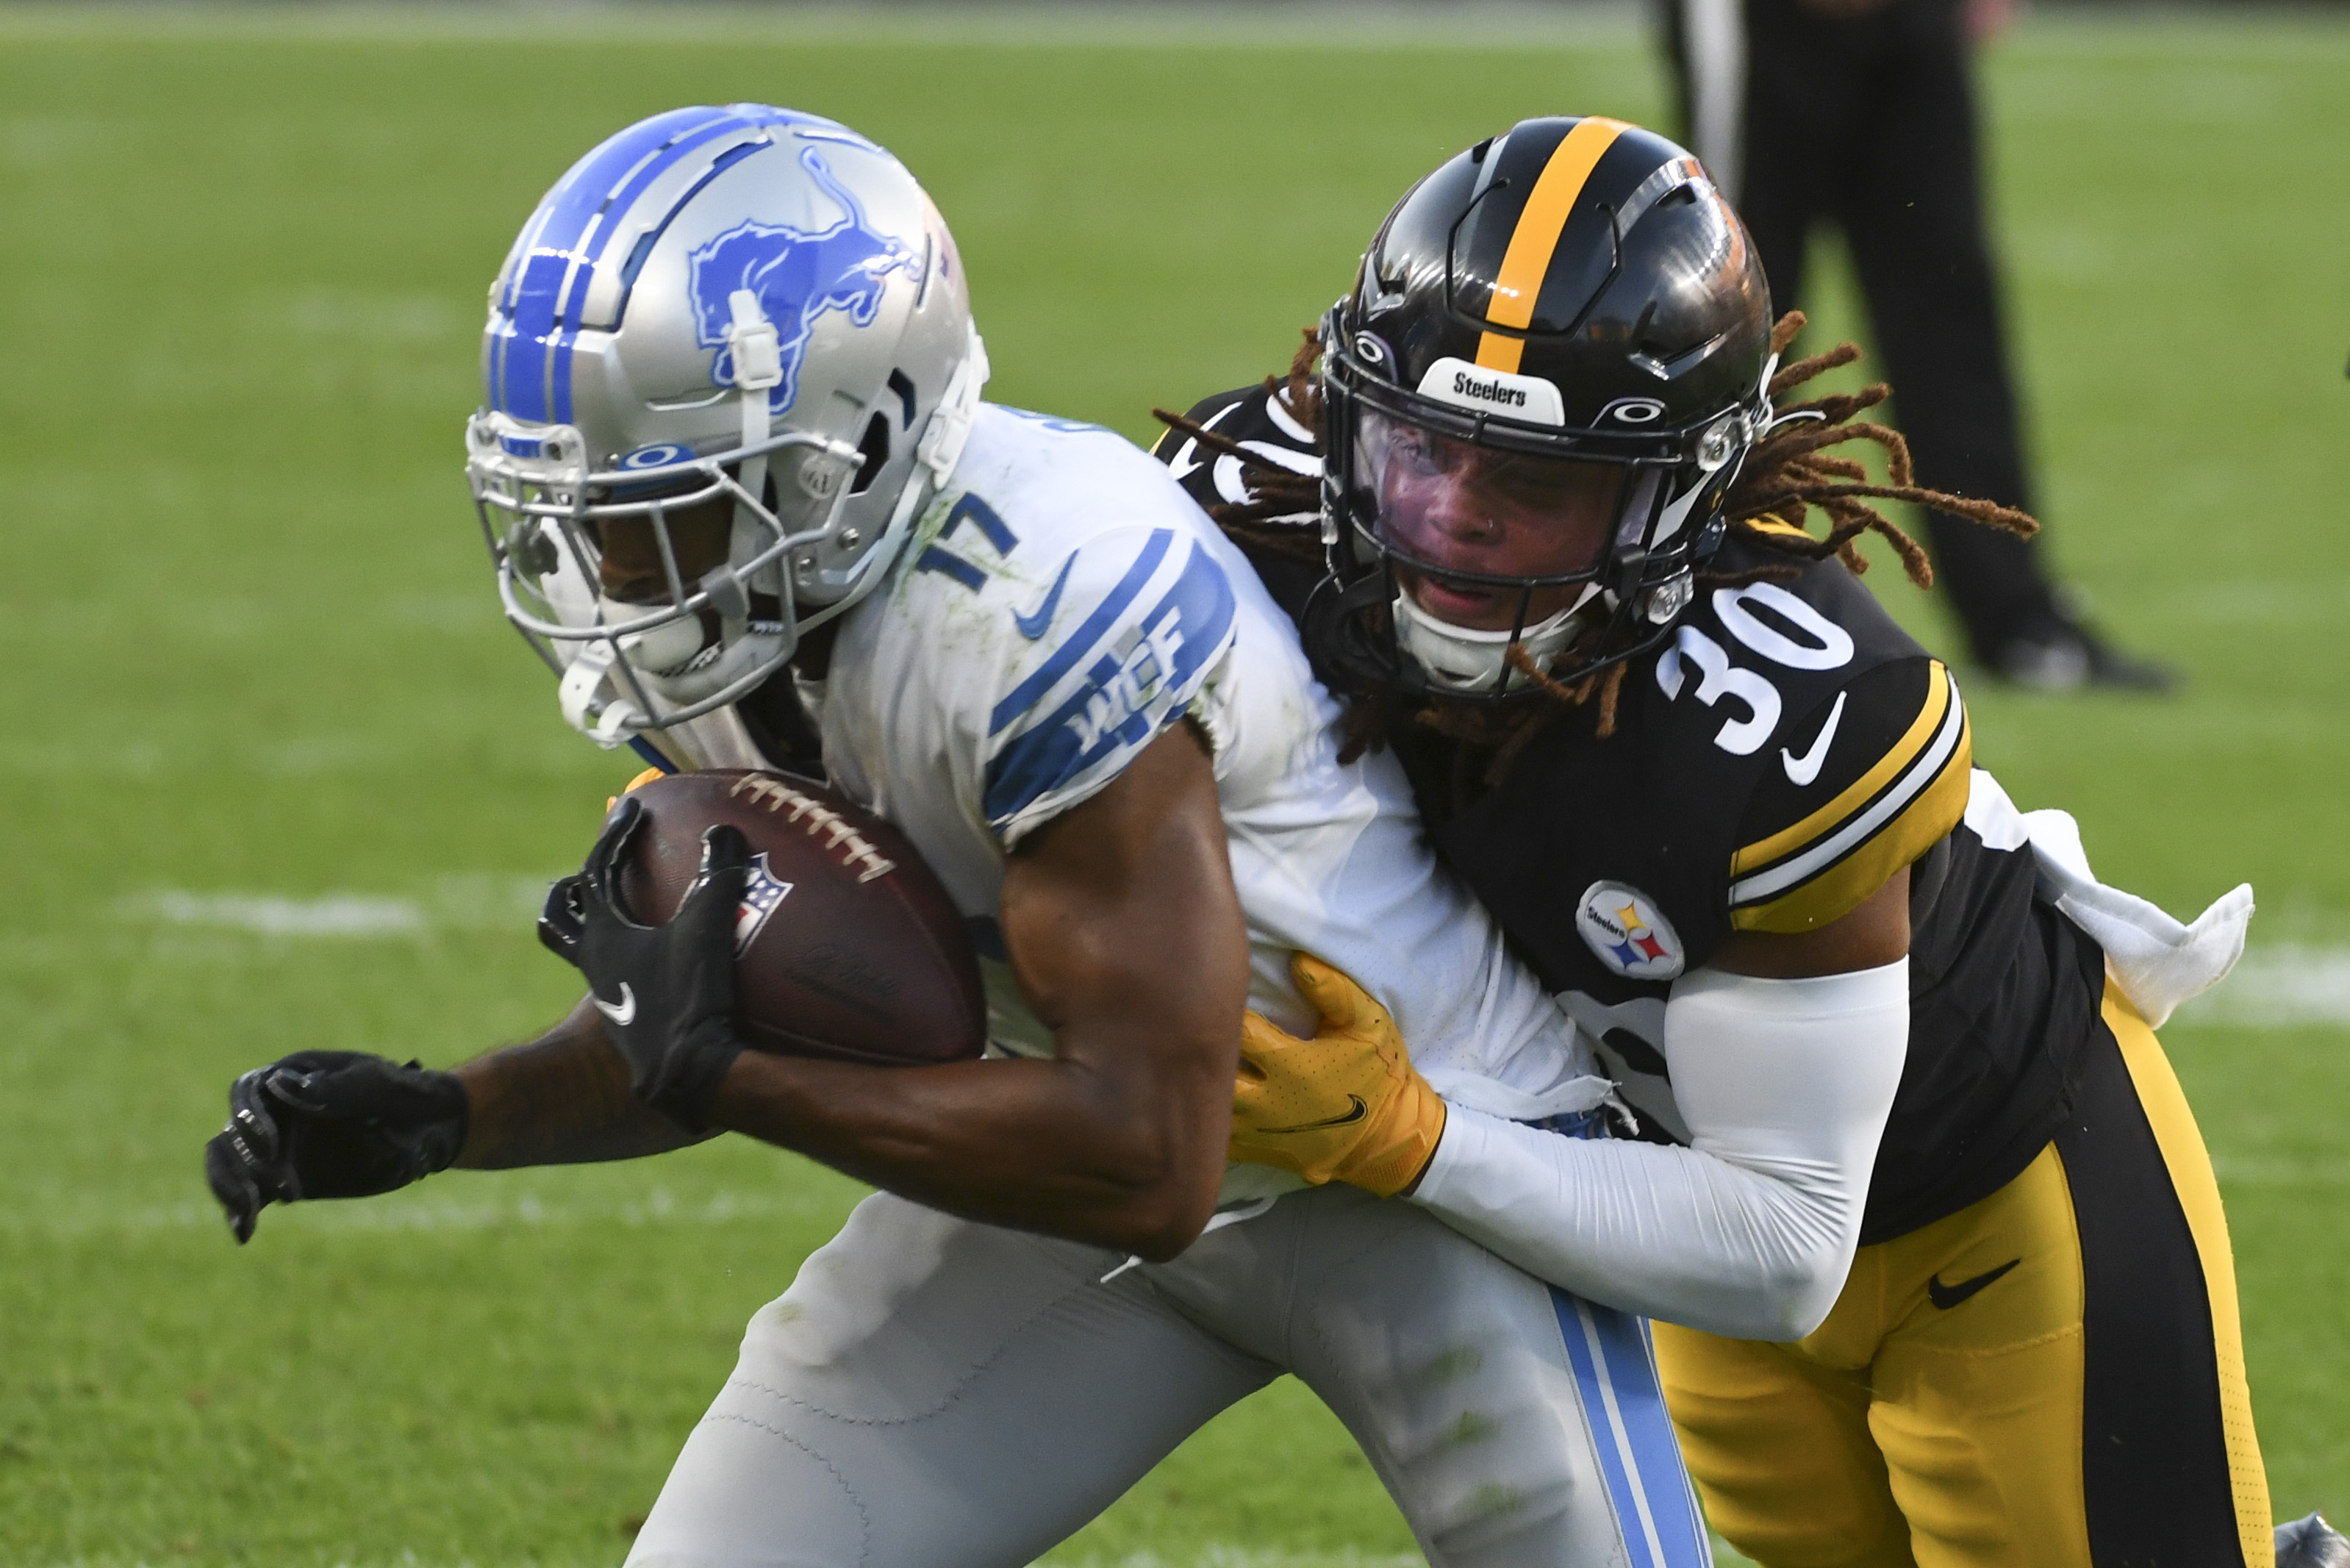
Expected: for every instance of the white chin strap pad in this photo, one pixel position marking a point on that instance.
(1461, 660)
(658, 649)
(591, 702)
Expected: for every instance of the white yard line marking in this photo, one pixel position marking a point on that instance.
(2282, 987)
(336, 915)
(455, 903)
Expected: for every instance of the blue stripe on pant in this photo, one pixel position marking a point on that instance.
(1615, 1372)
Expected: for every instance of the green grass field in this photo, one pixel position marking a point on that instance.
(263, 695)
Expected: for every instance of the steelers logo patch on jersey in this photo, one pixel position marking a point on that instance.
(1632, 936)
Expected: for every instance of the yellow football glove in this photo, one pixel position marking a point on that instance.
(1345, 1105)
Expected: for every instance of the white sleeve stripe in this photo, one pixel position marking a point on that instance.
(1923, 771)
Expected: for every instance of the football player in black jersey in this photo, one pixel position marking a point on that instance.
(1543, 517)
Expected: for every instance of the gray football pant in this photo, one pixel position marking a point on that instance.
(932, 1393)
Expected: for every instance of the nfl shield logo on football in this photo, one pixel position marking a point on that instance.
(1623, 927)
(761, 891)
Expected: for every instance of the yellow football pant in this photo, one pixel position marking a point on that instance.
(2052, 1377)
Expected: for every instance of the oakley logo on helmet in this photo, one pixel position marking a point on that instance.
(1371, 350)
(1634, 411)
(1465, 386)
(797, 275)
(659, 456)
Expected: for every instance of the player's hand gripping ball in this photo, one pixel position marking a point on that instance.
(666, 991)
(330, 1124)
(751, 910)
(1345, 1105)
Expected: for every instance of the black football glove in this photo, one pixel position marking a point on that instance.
(331, 1124)
(667, 992)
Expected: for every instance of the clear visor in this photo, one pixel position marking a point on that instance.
(1483, 538)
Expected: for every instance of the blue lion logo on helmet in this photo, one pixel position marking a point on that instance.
(798, 274)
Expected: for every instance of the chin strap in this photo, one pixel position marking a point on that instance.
(591, 701)
(756, 351)
(1462, 659)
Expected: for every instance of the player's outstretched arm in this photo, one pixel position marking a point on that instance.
(344, 1124)
(1785, 1053)
(1127, 939)
(560, 1099)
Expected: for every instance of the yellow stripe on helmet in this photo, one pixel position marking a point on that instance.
(1536, 239)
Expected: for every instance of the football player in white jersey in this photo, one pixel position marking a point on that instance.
(743, 495)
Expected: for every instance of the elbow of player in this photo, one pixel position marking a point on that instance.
(1789, 1310)
(1157, 1222)
(1161, 1238)
(1785, 1302)
(1164, 1193)
(1800, 1284)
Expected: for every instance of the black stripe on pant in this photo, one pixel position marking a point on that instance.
(2154, 1457)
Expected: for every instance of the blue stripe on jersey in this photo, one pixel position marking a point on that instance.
(1648, 1485)
(1081, 642)
(1128, 698)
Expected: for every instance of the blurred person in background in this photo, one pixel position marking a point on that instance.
(1862, 112)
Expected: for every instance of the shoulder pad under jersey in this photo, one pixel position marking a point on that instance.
(1257, 421)
(1779, 760)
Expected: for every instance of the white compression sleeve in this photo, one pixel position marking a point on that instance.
(1748, 1231)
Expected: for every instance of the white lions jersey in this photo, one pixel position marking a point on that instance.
(1061, 603)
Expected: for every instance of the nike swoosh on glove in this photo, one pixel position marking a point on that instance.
(667, 992)
(1345, 1105)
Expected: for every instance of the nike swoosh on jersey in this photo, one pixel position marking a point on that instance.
(1034, 624)
(1357, 1112)
(1183, 464)
(1947, 1296)
(1802, 770)
(623, 1011)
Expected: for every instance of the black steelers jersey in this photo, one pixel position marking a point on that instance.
(1774, 764)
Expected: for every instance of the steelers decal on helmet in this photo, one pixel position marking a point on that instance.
(1630, 935)
(1564, 329)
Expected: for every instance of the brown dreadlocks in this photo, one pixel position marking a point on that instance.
(1788, 473)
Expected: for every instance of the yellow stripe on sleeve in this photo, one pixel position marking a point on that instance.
(1863, 789)
(1536, 239)
(1844, 886)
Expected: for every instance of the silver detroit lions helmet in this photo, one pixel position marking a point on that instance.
(729, 359)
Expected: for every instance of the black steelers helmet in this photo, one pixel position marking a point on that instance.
(1552, 365)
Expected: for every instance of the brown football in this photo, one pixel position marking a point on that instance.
(854, 950)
